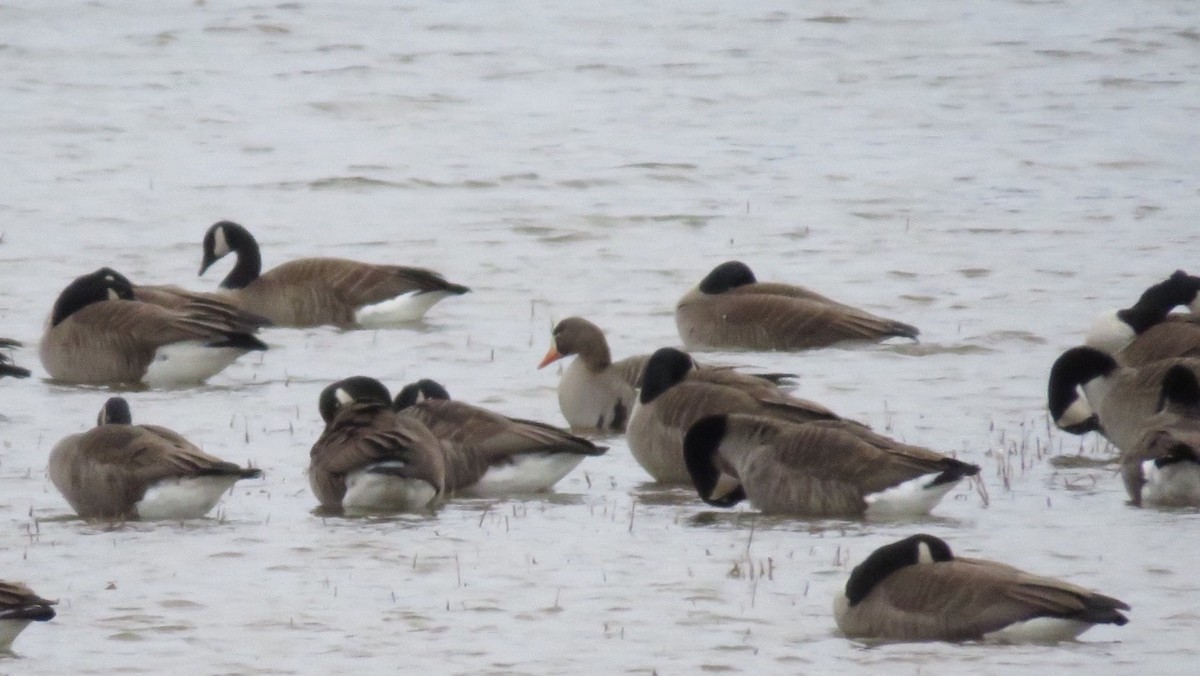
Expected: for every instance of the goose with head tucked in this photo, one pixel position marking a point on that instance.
(815, 469)
(318, 291)
(1148, 331)
(918, 590)
(731, 309)
(19, 606)
(7, 367)
(675, 394)
(121, 471)
(1163, 467)
(370, 459)
(488, 454)
(1090, 392)
(99, 334)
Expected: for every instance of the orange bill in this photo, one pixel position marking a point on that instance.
(552, 355)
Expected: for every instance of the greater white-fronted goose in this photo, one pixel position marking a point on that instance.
(917, 590)
(1148, 331)
(18, 607)
(1089, 391)
(316, 291)
(118, 471)
(98, 334)
(488, 454)
(815, 469)
(675, 394)
(1163, 468)
(731, 309)
(370, 458)
(7, 367)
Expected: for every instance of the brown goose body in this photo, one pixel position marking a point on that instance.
(318, 291)
(1163, 466)
(19, 606)
(816, 469)
(675, 395)
(916, 590)
(120, 471)
(730, 309)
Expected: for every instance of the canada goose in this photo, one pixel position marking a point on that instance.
(18, 607)
(488, 454)
(7, 367)
(1116, 400)
(315, 291)
(370, 458)
(178, 298)
(917, 590)
(118, 470)
(98, 334)
(821, 468)
(1163, 468)
(676, 394)
(1147, 331)
(731, 309)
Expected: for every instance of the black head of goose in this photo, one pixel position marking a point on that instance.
(815, 469)
(1147, 330)
(369, 459)
(118, 471)
(1075, 368)
(316, 291)
(99, 334)
(488, 454)
(18, 607)
(7, 367)
(731, 309)
(917, 590)
(1163, 468)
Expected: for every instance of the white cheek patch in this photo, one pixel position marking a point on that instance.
(1109, 334)
(220, 244)
(343, 397)
(725, 486)
(113, 295)
(1194, 306)
(923, 553)
(1077, 413)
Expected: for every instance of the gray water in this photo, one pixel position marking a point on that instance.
(993, 172)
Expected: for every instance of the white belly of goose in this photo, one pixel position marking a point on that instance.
(9, 630)
(914, 497)
(188, 362)
(527, 473)
(186, 498)
(1177, 484)
(408, 307)
(1040, 630)
(369, 491)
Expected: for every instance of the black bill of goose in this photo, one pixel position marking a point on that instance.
(488, 454)
(675, 394)
(1089, 391)
(1163, 468)
(815, 469)
(7, 367)
(99, 334)
(317, 291)
(18, 607)
(731, 309)
(370, 459)
(121, 471)
(1148, 331)
(917, 590)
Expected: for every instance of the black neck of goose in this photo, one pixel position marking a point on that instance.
(665, 368)
(115, 412)
(1157, 301)
(248, 266)
(726, 276)
(890, 558)
(84, 291)
(422, 390)
(1074, 368)
(1180, 391)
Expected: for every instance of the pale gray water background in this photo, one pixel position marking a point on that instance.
(994, 172)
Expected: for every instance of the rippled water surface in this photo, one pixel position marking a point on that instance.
(995, 173)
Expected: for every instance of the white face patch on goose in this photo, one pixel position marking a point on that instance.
(220, 244)
(725, 485)
(923, 553)
(1076, 414)
(344, 398)
(113, 295)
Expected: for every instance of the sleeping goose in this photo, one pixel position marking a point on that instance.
(1163, 467)
(1147, 331)
(675, 394)
(1089, 391)
(369, 458)
(815, 469)
(7, 367)
(488, 454)
(18, 607)
(731, 309)
(118, 470)
(98, 334)
(917, 590)
(316, 291)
